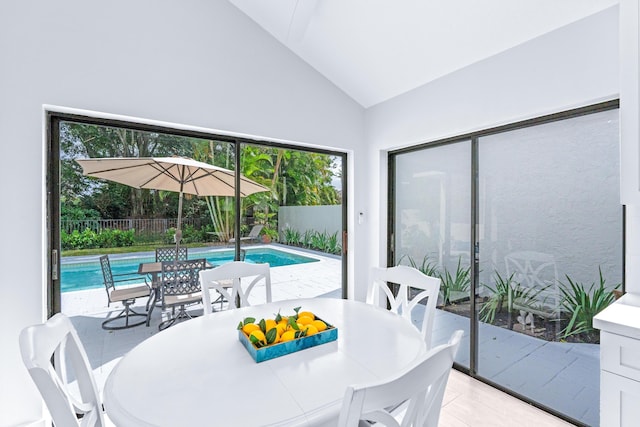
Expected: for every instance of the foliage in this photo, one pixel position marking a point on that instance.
(459, 283)
(583, 304)
(293, 177)
(506, 294)
(325, 242)
(190, 234)
(427, 267)
(74, 211)
(291, 236)
(89, 239)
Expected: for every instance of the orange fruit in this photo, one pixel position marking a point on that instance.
(304, 320)
(259, 335)
(320, 325)
(281, 328)
(311, 330)
(250, 327)
(288, 336)
(306, 313)
(270, 324)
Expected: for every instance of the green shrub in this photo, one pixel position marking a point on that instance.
(459, 283)
(583, 304)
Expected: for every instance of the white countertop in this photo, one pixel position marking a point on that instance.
(622, 317)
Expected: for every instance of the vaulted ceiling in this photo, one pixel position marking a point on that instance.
(375, 50)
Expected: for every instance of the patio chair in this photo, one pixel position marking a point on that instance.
(179, 287)
(58, 364)
(169, 253)
(538, 273)
(230, 276)
(415, 394)
(253, 236)
(126, 295)
(414, 288)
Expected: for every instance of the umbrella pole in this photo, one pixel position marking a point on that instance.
(178, 235)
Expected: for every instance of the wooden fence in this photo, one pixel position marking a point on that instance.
(141, 226)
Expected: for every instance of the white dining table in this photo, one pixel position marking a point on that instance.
(197, 373)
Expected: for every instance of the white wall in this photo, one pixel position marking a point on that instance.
(193, 62)
(323, 219)
(573, 66)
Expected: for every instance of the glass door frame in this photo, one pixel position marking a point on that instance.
(52, 185)
(474, 249)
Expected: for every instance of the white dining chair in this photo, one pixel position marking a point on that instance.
(413, 288)
(228, 279)
(58, 364)
(415, 394)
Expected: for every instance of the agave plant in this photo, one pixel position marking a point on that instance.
(427, 267)
(459, 283)
(583, 304)
(291, 236)
(507, 293)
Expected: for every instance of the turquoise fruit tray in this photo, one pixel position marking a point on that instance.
(284, 348)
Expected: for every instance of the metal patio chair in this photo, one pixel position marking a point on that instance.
(124, 294)
(179, 287)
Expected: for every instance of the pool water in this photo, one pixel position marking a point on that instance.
(77, 276)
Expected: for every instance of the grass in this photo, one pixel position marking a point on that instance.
(126, 249)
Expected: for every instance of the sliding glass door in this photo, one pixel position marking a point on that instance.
(432, 228)
(527, 219)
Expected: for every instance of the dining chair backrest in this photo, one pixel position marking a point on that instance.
(235, 271)
(57, 362)
(409, 300)
(169, 253)
(181, 277)
(414, 395)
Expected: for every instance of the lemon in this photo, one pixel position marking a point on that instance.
(320, 325)
(311, 330)
(250, 327)
(270, 324)
(287, 336)
(304, 320)
(259, 335)
(307, 314)
(281, 328)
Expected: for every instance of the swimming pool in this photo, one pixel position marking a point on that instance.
(85, 273)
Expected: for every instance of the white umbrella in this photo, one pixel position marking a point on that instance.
(179, 174)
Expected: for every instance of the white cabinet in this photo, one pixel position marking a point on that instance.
(619, 326)
(629, 102)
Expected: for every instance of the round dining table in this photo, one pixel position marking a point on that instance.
(198, 373)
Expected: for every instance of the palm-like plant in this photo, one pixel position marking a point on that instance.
(506, 293)
(427, 267)
(583, 304)
(459, 283)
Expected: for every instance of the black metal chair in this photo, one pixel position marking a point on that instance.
(169, 254)
(179, 287)
(126, 295)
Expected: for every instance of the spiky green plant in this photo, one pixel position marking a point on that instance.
(460, 282)
(506, 293)
(583, 304)
(427, 267)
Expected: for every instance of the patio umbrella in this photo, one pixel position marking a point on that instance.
(179, 174)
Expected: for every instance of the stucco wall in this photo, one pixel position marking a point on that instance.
(325, 219)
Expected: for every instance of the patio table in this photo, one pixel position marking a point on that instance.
(198, 372)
